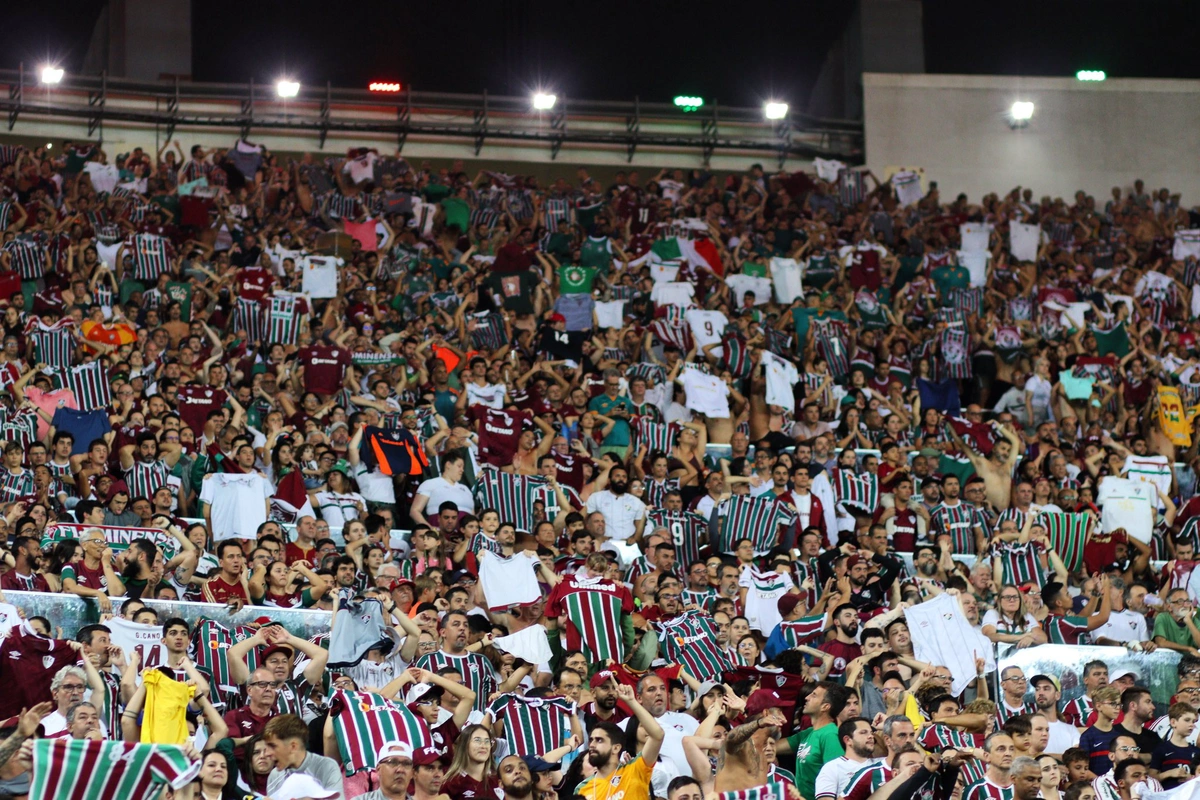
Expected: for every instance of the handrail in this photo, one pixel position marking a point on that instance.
(320, 109)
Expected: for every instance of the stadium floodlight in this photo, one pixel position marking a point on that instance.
(384, 86)
(686, 102)
(775, 110)
(52, 75)
(287, 88)
(1090, 75)
(1022, 110)
(543, 101)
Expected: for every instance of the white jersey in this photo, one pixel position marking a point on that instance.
(338, 509)
(320, 276)
(439, 490)
(834, 778)
(781, 376)
(706, 394)
(1122, 626)
(786, 275)
(763, 590)
(707, 327)
(508, 581)
(237, 503)
(673, 294)
(1127, 504)
(490, 395)
(1152, 469)
(761, 287)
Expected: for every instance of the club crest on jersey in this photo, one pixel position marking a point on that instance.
(47, 662)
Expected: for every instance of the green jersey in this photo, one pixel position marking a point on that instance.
(457, 212)
(574, 279)
(951, 276)
(814, 748)
(755, 269)
(596, 252)
(182, 294)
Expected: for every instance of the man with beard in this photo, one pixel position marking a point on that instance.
(515, 780)
(24, 576)
(603, 707)
(858, 740)
(607, 742)
(869, 592)
(148, 471)
(929, 561)
(844, 646)
(1046, 697)
(956, 524)
(624, 514)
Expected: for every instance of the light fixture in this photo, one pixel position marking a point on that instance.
(1022, 110)
(688, 102)
(775, 110)
(287, 88)
(384, 86)
(543, 101)
(1090, 75)
(51, 75)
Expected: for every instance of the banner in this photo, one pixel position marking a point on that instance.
(118, 538)
(369, 359)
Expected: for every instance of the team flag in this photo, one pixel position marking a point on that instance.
(860, 491)
(691, 639)
(755, 518)
(1067, 533)
(364, 722)
(533, 726)
(86, 769)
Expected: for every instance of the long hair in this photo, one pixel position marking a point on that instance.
(1016, 625)
(61, 555)
(458, 765)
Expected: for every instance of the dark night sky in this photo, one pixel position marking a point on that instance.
(619, 48)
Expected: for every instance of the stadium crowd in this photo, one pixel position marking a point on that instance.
(679, 486)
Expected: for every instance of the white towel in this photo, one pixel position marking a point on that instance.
(1187, 244)
(529, 645)
(610, 313)
(975, 236)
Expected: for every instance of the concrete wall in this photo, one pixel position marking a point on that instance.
(1089, 136)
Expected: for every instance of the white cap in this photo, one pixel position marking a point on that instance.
(395, 750)
(1122, 673)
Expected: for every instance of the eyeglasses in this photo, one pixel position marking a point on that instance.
(1128, 749)
(477, 740)
(396, 763)
(1010, 597)
(669, 596)
(264, 684)
(73, 687)
(1017, 678)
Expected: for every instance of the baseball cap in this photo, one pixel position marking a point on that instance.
(557, 318)
(396, 583)
(1050, 678)
(707, 687)
(1123, 673)
(788, 602)
(426, 756)
(602, 677)
(536, 764)
(278, 648)
(395, 750)
(853, 561)
(459, 576)
(762, 699)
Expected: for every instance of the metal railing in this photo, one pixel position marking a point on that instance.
(479, 118)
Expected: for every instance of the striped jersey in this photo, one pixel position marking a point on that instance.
(688, 531)
(210, 650)
(773, 789)
(510, 494)
(860, 491)
(655, 435)
(19, 425)
(478, 673)
(802, 631)
(144, 478)
(533, 725)
(151, 257)
(28, 258)
(957, 522)
(594, 608)
(1067, 534)
(363, 722)
(1066, 629)
(14, 485)
(88, 382)
(938, 737)
(1021, 563)
(986, 790)
(283, 319)
(756, 518)
(83, 769)
(690, 639)
(1077, 712)
(53, 345)
(1004, 713)
(864, 782)
(702, 599)
(488, 332)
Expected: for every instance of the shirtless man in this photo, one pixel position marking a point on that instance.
(529, 452)
(997, 468)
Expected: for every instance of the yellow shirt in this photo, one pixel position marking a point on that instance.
(164, 719)
(630, 782)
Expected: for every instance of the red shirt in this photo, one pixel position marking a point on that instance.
(15, 581)
(467, 788)
(294, 552)
(195, 403)
(243, 723)
(842, 654)
(216, 590)
(324, 368)
(254, 283)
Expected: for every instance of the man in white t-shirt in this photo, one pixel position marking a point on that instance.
(624, 514)
(435, 491)
(1123, 624)
(1047, 693)
(654, 696)
(235, 504)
